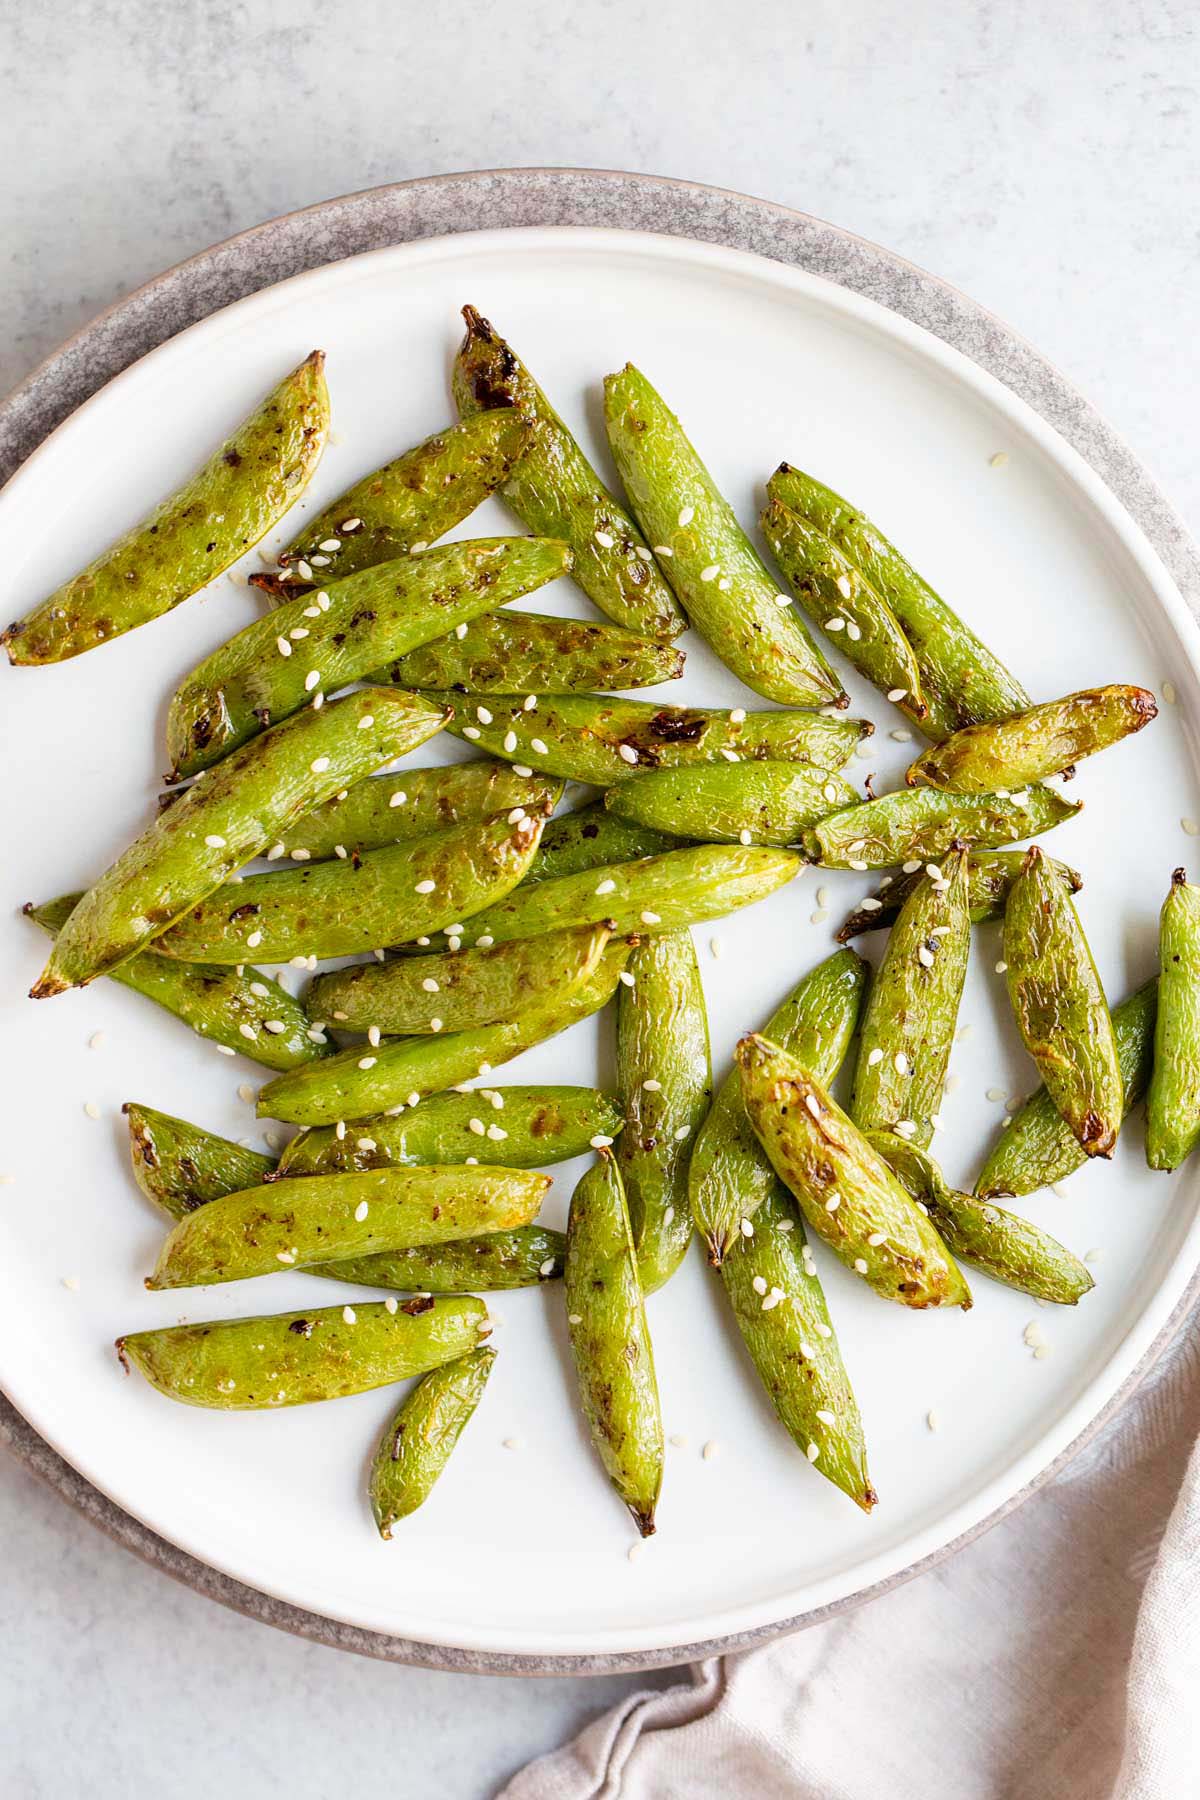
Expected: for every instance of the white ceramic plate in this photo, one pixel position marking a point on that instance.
(524, 1550)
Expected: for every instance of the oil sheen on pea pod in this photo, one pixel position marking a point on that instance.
(317, 644)
(873, 1225)
(534, 653)
(962, 683)
(247, 1012)
(664, 1078)
(1006, 1247)
(591, 837)
(418, 1442)
(390, 809)
(526, 1256)
(610, 1341)
(911, 1014)
(361, 1083)
(195, 534)
(556, 492)
(730, 1175)
(341, 908)
(179, 1166)
(779, 1305)
(1047, 740)
(225, 820)
(291, 1359)
(919, 824)
(1173, 1103)
(603, 740)
(1058, 1002)
(991, 875)
(718, 577)
(1037, 1149)
(731, 803)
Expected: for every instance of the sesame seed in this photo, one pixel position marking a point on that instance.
(510, 741)
(730, 755)
(652, 1086)
(312, 680)
(833, 1202)
(788, 1225)
(860, 1269)
(853, 631)
(897, 694)
(870, 904)
(276, 851)
(471, 731)
(349, 1315)
(937, 1121)
(711, 1449)
(606, 887)
(711, 572)
(905, 1128)
(682, 1133)
(601, 1141)
(605, 539)
(297, 633)
(529, 703)
(254, 939)
(925, 957)
(819, 917)
(876, 1238)
(283, 647)
(512, 1443)
(759, 1285)
(350, 525)
(414, 1099)
(301, 855)
(367, 1062)
(361, 1210)
(497, 1133)
(319, 765)
(485, 941)
(316, 1035)
(900, 1063)
(516, 816)
(783, 599)
(248, 1032)
(223, 1050)
(999, 460)
(716, 949)
(835, 624)
(813, 1105)
(812, 1452)
(330, 544)
(425, 887)
(538, 747)
(901, 735)
(747, 1228)
(416, 549)
(1168, 693)
(686, 515)
(460, 632)
(1001, 967)
(274, 1025)
(285, 1256)
(823, 1330)
(644, 551)
(92, 1110)
(341, 852)
(856, 863)
(1191, 827)
(483, 715)
(651, 918)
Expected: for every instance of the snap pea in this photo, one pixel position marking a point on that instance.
(664, 1078)
(523, 1257)
(989, 879)
(605, 740)
(194, 534)
(327, 1218)
(779, 1305)
(820, 1155)
(226, 819)
(530, 653)
(730, 803)
(280, 662)
(1008, 1248)
(909, 1021)
(610, 1341)
(358, 1086)
(419, 1441)
(247, 1011)
(591, 837)
(962, 683)
(1173, 1103)
(919, 824)
(341, 907)
(290, 1359)
(1059, 1005)
(556, 492)
(717, 575)
(1047, 740)
(730, 1175)
(392, 808)
(179, 1167)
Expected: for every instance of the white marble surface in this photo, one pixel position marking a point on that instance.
(1041, 157)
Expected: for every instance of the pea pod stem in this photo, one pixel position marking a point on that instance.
(1173, 1103)
(419, 1441)
(1047, 740)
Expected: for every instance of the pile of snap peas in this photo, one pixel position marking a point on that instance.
(485, 921)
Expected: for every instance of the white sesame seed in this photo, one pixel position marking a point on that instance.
(301, 855)
(529, 703)
(517, 815)
(819, 917)
(716, 949)
(813, 1105)
(512, 1443)
(747, 1228)
(367, 1062)
(373, 1036)
(391, 1304)
(783, 599)
(303, 570)
(283, 647)
(1168, 693)
(759, 1285)
(497, 1133)
(485, 941)
(652, 1086)
(925, 957)
(366, 722)
(711, 1449)
(276, 851)
(897, 694)
(711, 572)
(837, 623)
(901, 735)
(547, 1267)
(471, 731)
(683, 1132)
(297, 633)
(874, 1058)
(312, 680)
(1191, 827)
(254, 939)
(876, 1238)
(460, 632)
(998, 460)
(856, 863)
(861, 1269)
(644, 551)
(510, 741)
(823, 1330)
(606, 887)
(601, 1141)
(425, 887)
(832, 1204)
(285, 1256)
(627, 753)
(605, 539)
(730, 755)
(483, 715)
(224, 1050)
(1001, 967)
(900, 1063)
(91, 1109)
(686, 515)
(651, 918)
(538, 747)
(214, 842)
(349, 1315)
(275, 1026)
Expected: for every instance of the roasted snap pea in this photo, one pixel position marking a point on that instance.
(315, 645)
(418, 1442)
(779, 1305)
(194, 534)
(610, 1341)
(325, 1218)
(289, 1359)
(179, 1167)
(911, 1015)
(523, 1257)
(918, 824)
(1006, 1247)
(586, 737)
(231, 814)
(717, 575)
(591, 837)
(556, 492)
(1059, 1005)
(247, 1011)
(962, 683)
(1173, 1103)
(1046, 740)
(731, 803)
(530, 653)
(664, 1078)
(990, 877)
(339, 908)
(847, 1193)
(730, 1176)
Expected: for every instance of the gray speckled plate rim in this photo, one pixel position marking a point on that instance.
(498, 199)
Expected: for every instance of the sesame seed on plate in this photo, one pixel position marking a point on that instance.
(223, 1050)
(819, 917)
(516, 816)
(91, 1109)
(510, 741)
(856, 863)
(398, 798)
(248, 1032)
(716, 949)
(214, 842)
(730, 755)
(373, 1036)
(547, 1267)
(366, 722)
(783, 599)
(900, 1063)
(297, 633)
(1001, 967)
(1168, 693)
(759, 1284)
(711, 1449)
(1191, 827)
(683, 1132)
(312, 680)
(663, 550)
(319, 765)
(998, 460)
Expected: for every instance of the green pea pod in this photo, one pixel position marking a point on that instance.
(180, 1167)
(585, 737)
(418, 1442)
(1173, 1103)
(406, 1070)
(991, 875)
(839, 599)
(590, 838)
(962, 683)
(1008, 1248)
(340, 908)
(730, 1175)
(664, 1077)
(610, 1341)
(1037, 1148)
(524, 1257)
(919, 824)
(529, 653)
(247, 1012)
(393, 808)
(290, 1359)
(730, 803)
(1046, 740)
(1059, 1005)
(717, 575)
(779, 1305)
(910, 1018)
(225, 820)
(192, 536)
(556, 492)
(411, 996)
(311, 646)
(847, 1193)
(326, 1218)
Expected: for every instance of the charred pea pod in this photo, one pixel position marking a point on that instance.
(179, 1167)
(1173, 1103)
(990, 876)
(418, 1442)
(732, 803)
(529, 653)
(524, 1257)
(195, 534)
(918, 825)
(1046, 740)
(592, 837)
